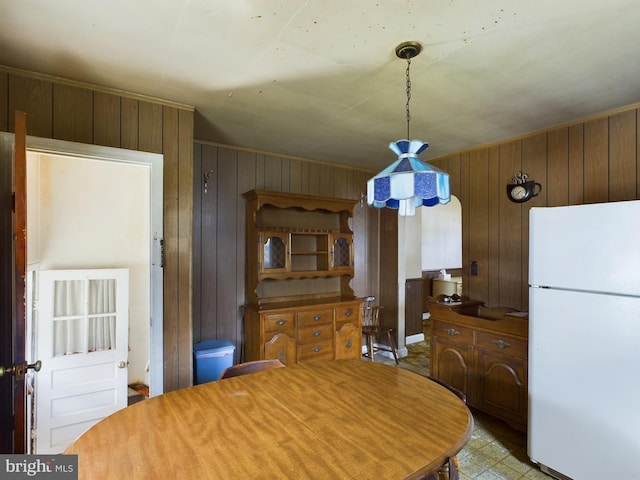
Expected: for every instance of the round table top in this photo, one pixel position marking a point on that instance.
(326, 419)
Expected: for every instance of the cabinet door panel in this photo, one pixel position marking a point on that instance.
(502, 387)
(452, 364)
(274, 252)
(281, 347)
(342, 252)
(348, 342)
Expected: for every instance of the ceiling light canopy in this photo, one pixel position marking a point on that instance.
(408, 183)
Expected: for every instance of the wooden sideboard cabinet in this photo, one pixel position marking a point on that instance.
(486, 358)
(299, 333)
(300, 305)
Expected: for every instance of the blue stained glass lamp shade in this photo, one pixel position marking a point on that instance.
(408, 183)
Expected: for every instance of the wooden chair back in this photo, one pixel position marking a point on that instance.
(371, 313)
(250, 367)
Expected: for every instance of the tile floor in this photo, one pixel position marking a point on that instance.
(495, 451)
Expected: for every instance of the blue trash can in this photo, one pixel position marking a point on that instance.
(210, 358)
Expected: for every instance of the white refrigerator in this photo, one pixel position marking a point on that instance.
(584, 340)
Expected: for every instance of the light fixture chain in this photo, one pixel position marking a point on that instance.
(408, 96)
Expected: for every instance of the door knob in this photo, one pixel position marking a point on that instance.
(122, 364)
(20, 370)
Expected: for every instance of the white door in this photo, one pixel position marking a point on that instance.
(81, 337)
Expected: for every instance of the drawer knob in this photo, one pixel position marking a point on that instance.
(349, 344)
(501, 343)
(317, 348)
(348, 313)
(317, 317)
(452, 331)
(281, 322)
(317, 333)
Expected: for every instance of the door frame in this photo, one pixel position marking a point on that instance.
(155, 161)
(58, 147)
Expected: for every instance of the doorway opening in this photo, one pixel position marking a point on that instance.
(92, 207)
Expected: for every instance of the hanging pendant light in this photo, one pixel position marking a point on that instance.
(408, 183)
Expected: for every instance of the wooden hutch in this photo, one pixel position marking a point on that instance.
(300, 305)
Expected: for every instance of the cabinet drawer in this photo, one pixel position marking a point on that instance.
(279, 322)
(315, 334)
(321, 350)
(500, 343)
(347, 314)
(454, 333)
(309, 318)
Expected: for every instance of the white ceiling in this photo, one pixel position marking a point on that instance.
(319, 79)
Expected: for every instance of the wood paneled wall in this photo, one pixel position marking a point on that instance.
(65, 110)
(219, 230)
(595, 160)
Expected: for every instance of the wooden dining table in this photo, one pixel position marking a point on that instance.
(336, 419)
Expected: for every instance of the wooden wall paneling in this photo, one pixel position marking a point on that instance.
(295, 176)
(496, 192)
(209, 234)
(72, 113)
(106, 119)
(172, 330)
(227, 313)
(69, 112)
(557, 181)
(328, 180)
(388, 294)
(129, 123)
(176, 145)
(246, 182)
(510, 261)
(260, 171)
(4, 102)
(150, 127)
(478, 223)
(286, 174)
(341, 178)
(454, 166)
(362, 214)
(314, 179)
(273, 174)
(413, 307)
(534, 162)
(182, 136)
(35, 98)
(198, 192)
(374, 267)
(463, 196)
(359, 283)
(596, 160)
(622, 156)
(576, 164)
